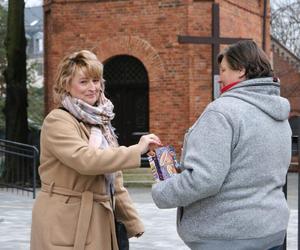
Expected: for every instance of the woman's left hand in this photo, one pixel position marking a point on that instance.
(148, 142)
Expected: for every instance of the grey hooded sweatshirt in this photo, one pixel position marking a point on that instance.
(235, 159)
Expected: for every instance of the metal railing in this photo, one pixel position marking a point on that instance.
(18, 166)
(295, 155)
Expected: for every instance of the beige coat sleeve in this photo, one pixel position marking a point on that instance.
(62, 134)
(125, 210)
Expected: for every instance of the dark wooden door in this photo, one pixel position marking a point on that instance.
(127, 87)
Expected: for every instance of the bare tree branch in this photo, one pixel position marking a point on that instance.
(285, 23)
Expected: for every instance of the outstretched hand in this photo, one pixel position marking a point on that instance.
(148, 142)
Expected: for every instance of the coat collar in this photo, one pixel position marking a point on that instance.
(84, 129)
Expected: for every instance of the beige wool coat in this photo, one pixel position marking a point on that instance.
(73, 209)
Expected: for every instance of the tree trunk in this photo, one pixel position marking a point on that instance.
(16, 127)
(15, 74)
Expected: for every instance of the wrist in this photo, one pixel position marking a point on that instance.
(140, 148)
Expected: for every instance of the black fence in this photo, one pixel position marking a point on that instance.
(18, 166)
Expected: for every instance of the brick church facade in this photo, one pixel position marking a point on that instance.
(287, 68)
(158, 83)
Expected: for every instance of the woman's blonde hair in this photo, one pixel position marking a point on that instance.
(83, 60)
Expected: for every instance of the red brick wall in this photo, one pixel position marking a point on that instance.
(179, 74)
(289, 80)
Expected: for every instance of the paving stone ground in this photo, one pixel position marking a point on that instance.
(15, 221)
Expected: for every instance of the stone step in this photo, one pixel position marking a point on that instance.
(138, 184)
(137, 170)
(140, 177)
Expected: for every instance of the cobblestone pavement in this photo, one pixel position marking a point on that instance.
(15, 221)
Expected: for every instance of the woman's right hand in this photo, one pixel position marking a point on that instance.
(148, 142)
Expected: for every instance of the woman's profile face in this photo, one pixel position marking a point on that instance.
(228, 75)
(85, 88)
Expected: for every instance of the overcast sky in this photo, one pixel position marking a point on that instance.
(30, 3)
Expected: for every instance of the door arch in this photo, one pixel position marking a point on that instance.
(127, 86)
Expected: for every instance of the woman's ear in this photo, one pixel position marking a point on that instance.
(68, 88)
(242, 73)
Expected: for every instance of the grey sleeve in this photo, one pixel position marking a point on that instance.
(207, 162)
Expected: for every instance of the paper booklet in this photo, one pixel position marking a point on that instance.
(163, 163)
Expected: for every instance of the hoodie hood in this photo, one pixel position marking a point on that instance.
(264, 93)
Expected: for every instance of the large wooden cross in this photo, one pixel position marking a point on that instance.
(215, 40)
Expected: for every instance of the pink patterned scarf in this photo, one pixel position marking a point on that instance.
(102, 133)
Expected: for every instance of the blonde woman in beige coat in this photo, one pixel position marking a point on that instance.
(81, 163)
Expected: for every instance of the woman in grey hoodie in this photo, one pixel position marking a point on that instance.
(235, 160)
